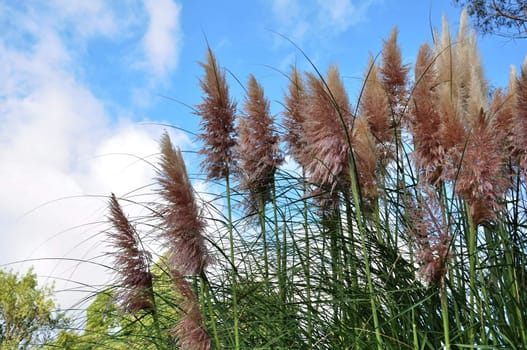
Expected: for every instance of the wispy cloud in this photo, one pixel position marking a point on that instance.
(302, 20)
(291, 17)
(341, 14)
(163, 39)
(86, 18)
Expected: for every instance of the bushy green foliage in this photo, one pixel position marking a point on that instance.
(28, 315)
(107, 326)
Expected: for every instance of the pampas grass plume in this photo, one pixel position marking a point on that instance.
(294, 117)
(394, 73)
(217, 113)
(189, 330)
(503, 112)
(258, 150)
(430, 236)
(365, 154)
(426, 119)
(131, 262)
(184, 225)
(520, 117)
(374, 105)
(481, 180)
(327, 123)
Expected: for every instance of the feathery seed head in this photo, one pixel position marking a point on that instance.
(430, 235)
(426, 119)
(461, 78)
(131, 262)
(520, 116)
(190, 330)
(183, 223)
(257, 150)
(365, 154)
(481, 180)
(443, 51)
(294, 117)
(217, 113)
(452, 130)
(501, 113)
(394, 73)
(374, 105)
(502, 110)
(327, 126)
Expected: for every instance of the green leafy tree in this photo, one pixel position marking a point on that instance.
(102, 324)
(28, 319)
(501, 17)
(109, 327)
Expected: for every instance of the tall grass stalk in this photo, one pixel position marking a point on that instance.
(355, 191)
(262, 217)
(232, 256)
(306, 262)
(472, 256)
(281, 249)
(207, 299)
(444, 313)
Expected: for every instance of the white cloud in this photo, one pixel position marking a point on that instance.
(339, 13)
(291, 17)
(286, 10)
(302, 20)
(87, 18)
(60, 152)
(163, 39)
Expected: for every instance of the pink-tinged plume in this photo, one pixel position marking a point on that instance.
(447, 64)
(431, 239)
(217, 113)
(365, 153)
(394, 75)
(453, 134)
(258, 150)
(190, 330)
(425, 124)
(474, 150)
(183, 232)
(374, 105)
(520, 118)
(294, 118)
(503, 113)
(131, 262)
(327, 132)
(482, 180)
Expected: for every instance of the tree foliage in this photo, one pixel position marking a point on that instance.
(27, 312)
(108, 326)
(102, 328)
(501, 17)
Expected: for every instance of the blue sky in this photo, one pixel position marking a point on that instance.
(82, 82)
